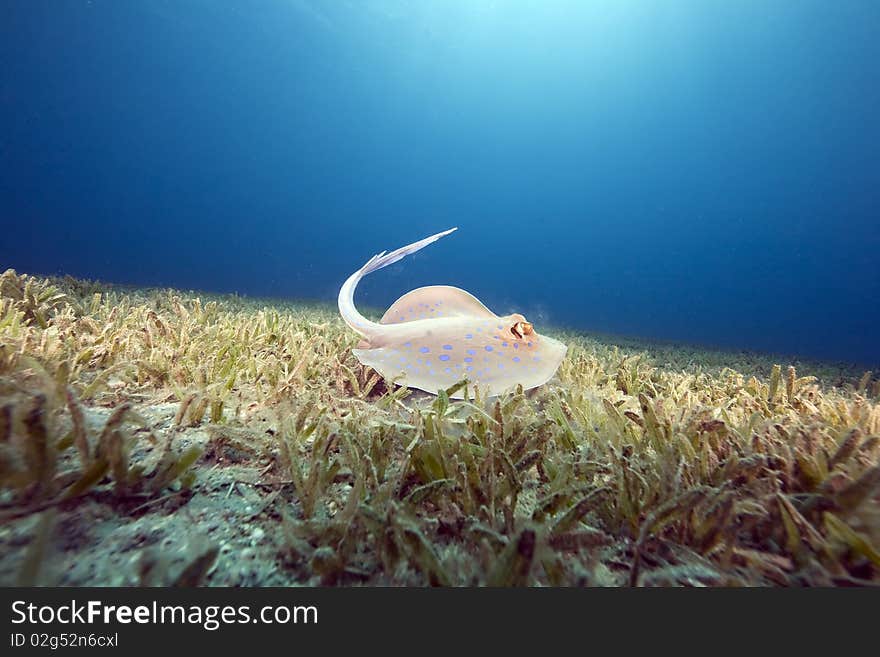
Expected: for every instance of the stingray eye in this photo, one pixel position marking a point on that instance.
(520, 329)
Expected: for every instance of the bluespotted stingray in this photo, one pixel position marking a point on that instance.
(435, 336)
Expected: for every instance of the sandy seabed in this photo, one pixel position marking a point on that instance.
(161, 437)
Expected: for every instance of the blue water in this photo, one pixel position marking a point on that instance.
(699, 171)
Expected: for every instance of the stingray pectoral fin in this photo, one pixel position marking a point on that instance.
(378, 359)
(408, 369)
(550, 355)
(435, 301)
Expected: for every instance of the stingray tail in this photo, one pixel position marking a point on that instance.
(349, 313)
(384, 259)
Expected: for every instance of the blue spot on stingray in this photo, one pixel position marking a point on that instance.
(536, 358)
(468, 360)
(468, 336)
(469, 368)
(516, 359)
(499, 326)
(407, 344)
(431, 372)
(516, 345)
(447, 369)
(424, 350)
(444, 357)
(471, 351)
(529, 345)
(447, 347)
(488, 347)
(419, 361)
(503, 344)
(500, 366)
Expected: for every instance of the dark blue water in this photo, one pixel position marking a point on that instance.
(697, 171)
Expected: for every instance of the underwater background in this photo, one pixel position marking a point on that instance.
(703, 172)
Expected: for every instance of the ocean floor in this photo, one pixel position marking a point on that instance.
(160, 437)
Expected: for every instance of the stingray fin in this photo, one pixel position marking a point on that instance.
(435, 301)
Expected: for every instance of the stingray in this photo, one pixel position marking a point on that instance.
(435, 336)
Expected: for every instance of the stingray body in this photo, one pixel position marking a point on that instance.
(434, 336)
